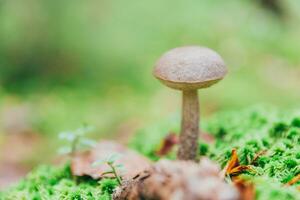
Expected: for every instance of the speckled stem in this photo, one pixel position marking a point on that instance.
(188, 145)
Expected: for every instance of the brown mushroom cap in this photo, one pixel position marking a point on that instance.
(190, 67)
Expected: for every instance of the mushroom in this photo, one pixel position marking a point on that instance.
(188, 69)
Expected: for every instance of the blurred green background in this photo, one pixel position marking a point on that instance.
(64, 63)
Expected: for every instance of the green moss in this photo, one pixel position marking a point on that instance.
(252, 131)
(279, 129)
(203, 149)
(107, 186)
(48, 182)
(296, 122)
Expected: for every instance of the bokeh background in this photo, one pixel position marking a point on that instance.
(66, 63)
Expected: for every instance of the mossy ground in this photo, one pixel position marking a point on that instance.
(48, 182)
(250, 131)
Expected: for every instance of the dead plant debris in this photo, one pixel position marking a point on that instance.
(233, 166)
(132, 162)
(167, 144)
(178, 180)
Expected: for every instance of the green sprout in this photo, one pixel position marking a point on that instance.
(76, 140)
(111, 162)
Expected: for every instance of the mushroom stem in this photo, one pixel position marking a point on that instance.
(188, 141)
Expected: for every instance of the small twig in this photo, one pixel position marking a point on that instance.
(258, 154)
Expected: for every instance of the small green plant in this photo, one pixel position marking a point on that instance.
(76, 140)
(111, 162)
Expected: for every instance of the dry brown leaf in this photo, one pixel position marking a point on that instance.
(132, 162)
(245, 188)
(233, 162)
(237, 170)
(167, 144)
(13, 162)
(233, 166)
(294, 180)
(207, 137)
(172, 140)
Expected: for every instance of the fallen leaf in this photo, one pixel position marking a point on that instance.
(237, 170)
(245, 188)
(132, 162)
(11, 173)
(207, 137)
(233, 162)
(167, 144)
(294, 180)
(233, 166)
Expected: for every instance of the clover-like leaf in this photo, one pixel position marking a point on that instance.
(114, 157)
(64, 150)
(67, 135)
(88, 142)
(98, 162)
(83, 130)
